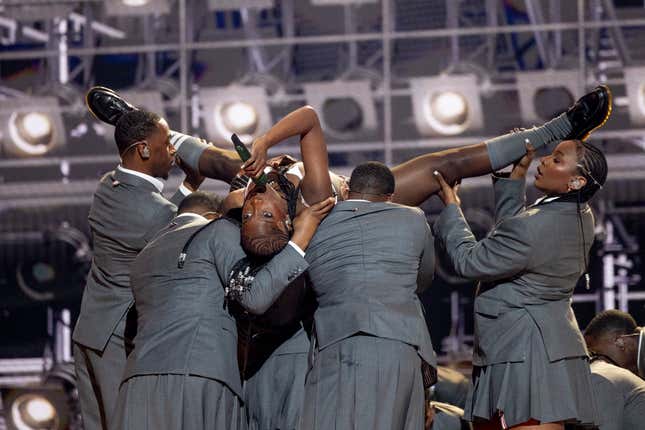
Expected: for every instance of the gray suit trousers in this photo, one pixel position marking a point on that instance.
(98, 377)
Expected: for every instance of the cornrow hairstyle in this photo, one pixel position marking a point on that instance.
(592, 164)
(134, 126)
(267, 245)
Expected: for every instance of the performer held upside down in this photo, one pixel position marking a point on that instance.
(268, 210)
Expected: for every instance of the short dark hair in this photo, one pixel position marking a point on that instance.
(134, 126)
(200, 202)
(611, 321)
(372, 177)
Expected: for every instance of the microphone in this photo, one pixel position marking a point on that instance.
(244, 154)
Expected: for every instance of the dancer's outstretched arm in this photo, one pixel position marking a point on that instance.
(303, 122)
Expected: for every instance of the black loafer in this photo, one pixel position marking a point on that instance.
(106, 105)
(590, 112)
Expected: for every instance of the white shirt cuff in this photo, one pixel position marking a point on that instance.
(297, 248)
(184, 190)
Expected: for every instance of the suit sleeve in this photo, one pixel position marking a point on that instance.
(502, 254)
(269, 282)
(426, 264)
(510, 196)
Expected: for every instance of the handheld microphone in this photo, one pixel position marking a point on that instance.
(244, 154)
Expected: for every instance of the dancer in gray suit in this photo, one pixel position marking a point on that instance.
(613, 341)
(127, 210)
(370, 336)
(183, 372)
(531, 364)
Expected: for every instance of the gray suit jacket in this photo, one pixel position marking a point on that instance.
(126, 212)
(528, 266)
(364, 263)
(183, 324)
(620, 396)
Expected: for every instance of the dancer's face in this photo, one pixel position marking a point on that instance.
(265, 221)
(558, 173)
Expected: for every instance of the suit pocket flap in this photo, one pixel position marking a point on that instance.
(486, 306)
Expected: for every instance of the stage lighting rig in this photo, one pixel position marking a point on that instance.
(346, 108)
(545, 94)
(31, 127)
(446, 105)
(236, 109)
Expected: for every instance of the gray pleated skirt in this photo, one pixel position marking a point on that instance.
(273, 396)
(176, 402)
(364, 382)
(534, 389)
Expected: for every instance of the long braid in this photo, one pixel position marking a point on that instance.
(592, 164)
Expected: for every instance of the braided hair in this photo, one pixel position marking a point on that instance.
(263, 246)
(592, 165)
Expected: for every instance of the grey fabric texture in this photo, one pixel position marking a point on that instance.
(535, 388)
(183, 324)
(364, 382)
(99, 372)
(190, 148)
(126, 212)
(273, 397)
(525, 328)
(507, 149)
(364, 263)
(177, 402)
(620, 397)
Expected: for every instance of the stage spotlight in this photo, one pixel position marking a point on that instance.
(221, 5)
(136, 7)
(446, 105)
(635, 88)
(46, 405)
(346, 108)
(31, 127)
(135, 3)
(240, 110)
(544, 95)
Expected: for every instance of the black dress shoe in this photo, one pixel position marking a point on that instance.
(590, 112)
(106, 105)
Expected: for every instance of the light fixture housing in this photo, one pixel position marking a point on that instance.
(635, 88)
(242, 110)
(136, 7)
(446, 105)
(31, 127)
(345, 108)
(545, 94)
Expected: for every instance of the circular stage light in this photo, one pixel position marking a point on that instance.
(237, 117)
(32, 411)
(552, 101)
(343, 114)
(32, 133)
(447, 112)
(135, 3)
